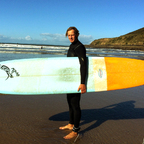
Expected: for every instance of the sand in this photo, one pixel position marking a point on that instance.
(114, 117)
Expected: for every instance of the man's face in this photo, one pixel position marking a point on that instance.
(71, 36)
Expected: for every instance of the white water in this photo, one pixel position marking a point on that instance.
(48, 51)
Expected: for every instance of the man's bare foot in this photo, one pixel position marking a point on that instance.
(71, 135)
(69, 127)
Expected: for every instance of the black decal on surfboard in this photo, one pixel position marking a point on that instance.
(9, 71)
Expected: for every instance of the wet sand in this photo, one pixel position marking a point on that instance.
(114, 117)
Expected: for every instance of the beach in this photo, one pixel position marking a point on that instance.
(113, 117)
(110, 117)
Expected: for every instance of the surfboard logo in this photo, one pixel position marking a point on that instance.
(9, 71)
(100, 73)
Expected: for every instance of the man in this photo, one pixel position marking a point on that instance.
(76, 49)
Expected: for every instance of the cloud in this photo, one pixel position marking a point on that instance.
(57, 39)
(28, 38)
(45, 38)
(86, 39)
(2, 37)
(52, 35)
(6, 39)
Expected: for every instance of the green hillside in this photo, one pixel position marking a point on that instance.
(131, 40)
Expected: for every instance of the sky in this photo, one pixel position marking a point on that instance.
(46, 21)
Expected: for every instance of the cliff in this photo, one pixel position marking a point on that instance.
(132, 40)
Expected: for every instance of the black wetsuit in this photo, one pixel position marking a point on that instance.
(77, 49)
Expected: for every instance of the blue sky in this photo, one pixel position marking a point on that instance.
(46, 21)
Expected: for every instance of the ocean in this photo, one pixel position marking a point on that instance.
(10, 52)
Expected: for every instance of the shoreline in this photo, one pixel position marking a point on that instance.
(30, 52)
(43, 46)
(62, 51)
(31, 49)
(117, 47)
(37, 45)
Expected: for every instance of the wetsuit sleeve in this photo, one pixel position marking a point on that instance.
(81, 53)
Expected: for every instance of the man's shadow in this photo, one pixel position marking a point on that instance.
(123, 110)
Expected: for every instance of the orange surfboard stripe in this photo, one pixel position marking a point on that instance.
(124, 73)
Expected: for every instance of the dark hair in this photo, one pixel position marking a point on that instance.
(75, 31)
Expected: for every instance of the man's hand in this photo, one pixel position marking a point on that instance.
(82, 87)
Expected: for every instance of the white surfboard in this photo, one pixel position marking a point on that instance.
(62, 75)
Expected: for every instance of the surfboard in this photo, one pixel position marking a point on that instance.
(62, 75)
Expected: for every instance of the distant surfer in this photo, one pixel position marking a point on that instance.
(76, 49)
